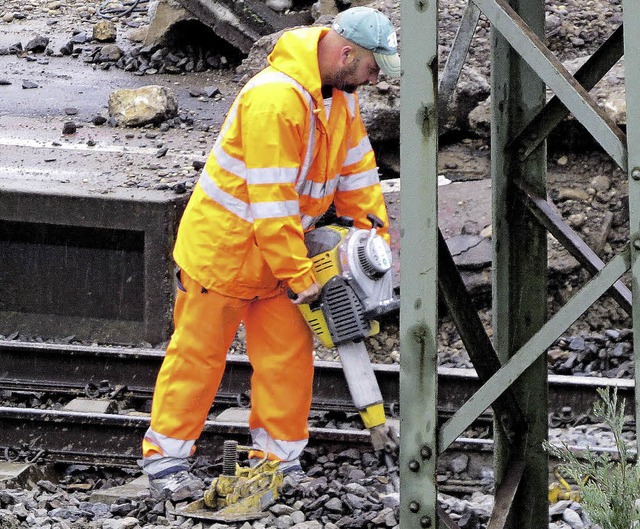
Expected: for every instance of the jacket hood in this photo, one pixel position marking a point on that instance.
(296, 54)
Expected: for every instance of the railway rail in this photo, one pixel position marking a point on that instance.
(115, 372)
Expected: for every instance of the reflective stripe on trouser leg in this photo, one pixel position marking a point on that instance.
(205, 325)
(156, 446)
(280, 348)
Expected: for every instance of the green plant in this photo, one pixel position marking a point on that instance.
(609, 487)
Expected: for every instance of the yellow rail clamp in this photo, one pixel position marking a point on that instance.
(242, 496)
(561, 490)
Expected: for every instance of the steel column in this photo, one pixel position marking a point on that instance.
(419, 278)
(520, 249)
(631, 10)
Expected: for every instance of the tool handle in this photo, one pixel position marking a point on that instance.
(376, 222)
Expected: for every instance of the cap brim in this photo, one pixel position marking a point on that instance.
(389, 64)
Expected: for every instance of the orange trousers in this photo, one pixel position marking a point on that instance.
(280, 349)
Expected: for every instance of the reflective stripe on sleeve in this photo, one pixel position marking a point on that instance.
(248, 212)
(229, 163)
(227, 201)
(317, 190)
(274, 210)
(358, 180)
(357, 153)
(272, 175)
(308, 221)
(262, 175)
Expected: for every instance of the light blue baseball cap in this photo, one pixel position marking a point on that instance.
(370, 29)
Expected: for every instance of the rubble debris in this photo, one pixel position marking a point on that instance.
(37, 44)
(141, 106)
(69, 128)
(105, 31)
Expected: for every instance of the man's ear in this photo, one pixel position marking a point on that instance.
(347, 55)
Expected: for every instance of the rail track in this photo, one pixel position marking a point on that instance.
(117, 374)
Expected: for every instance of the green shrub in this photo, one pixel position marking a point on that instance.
(609, 487)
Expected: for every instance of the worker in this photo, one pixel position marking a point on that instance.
(292, 144)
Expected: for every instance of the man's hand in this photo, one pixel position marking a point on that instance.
(308, 295)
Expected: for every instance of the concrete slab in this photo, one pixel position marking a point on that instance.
(96, 267)
(132, 490)
(90, 406)
(241, 24)
(23, 475)
(459, 203)
(234, 415)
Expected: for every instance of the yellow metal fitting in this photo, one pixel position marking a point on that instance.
(373, 415)
(561, 490)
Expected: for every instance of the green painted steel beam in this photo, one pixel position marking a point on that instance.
(552, 220)
(588, 75)
(476, 340)
(534, 348)
(455, 60)
(631, 12)
(519, 277)
(530, 47)
(419, 277)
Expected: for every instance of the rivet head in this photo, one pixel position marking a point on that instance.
(636, 244)
(426, 452)
(635, 173)
(425, 521)
(414, 506)
(414, 466)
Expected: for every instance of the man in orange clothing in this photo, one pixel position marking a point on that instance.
(293, 143)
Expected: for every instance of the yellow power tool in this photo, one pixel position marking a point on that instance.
(354, 268)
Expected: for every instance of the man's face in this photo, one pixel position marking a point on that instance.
(360, 68)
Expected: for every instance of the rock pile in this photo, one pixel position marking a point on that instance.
(346, 490)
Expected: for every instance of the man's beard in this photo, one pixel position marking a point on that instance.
(343, 74)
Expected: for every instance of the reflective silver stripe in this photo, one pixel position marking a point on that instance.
(357, 153)
(308, 221)
(265, 175)
(318, 190)
(173, 453)
(227, 201)
(274, 210)
(272, 175)
(169, 446)
(308, 157)
(358, 180)
(229, 163)
(351, 103)
(283, 450)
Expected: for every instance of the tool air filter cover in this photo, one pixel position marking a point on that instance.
(343, 311)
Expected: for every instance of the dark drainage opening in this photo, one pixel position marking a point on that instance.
(71, 271)
(193, 47)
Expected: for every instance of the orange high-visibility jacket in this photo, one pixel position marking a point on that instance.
(276, 167)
